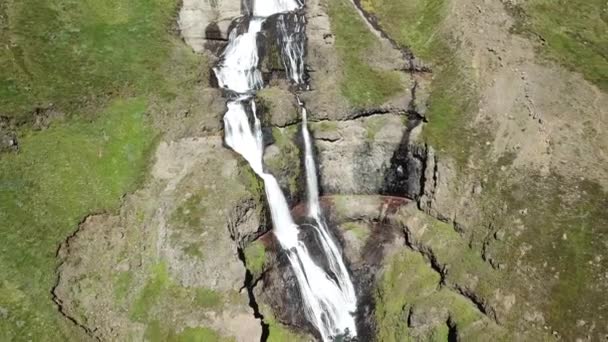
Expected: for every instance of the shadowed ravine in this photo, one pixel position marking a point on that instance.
(327, 293)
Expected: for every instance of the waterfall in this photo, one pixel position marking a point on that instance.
(328, 296)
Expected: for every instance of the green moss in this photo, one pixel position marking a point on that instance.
(565, 228)
(373, 125)
(156, 285)
(157, 332)
(190, 213)
(207, 298)
(194, 250)
(283, 164)
(251, 181)
(574, 33)
(278, 332)
(361, 230)
(361, 84)
(408, 281)
(255, 257)
(326, 126)
(60, 175)
(406, 278)
(200, 335)
(69, 53)
(122, 284)
(417, 25)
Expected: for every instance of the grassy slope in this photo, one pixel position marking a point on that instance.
(361, 84)
(565, 226)
(417, 26)
(59, 176)
(70, 52)
(81, 56)
(575, 33)
(409, 282)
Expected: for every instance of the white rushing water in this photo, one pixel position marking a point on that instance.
(329, 298)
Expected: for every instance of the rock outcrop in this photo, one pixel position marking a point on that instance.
(205, 24)
(171, 254)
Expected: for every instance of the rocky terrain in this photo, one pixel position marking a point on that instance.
(461, 161)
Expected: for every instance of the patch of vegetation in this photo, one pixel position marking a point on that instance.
(417, 25)
(250, 180)
(71, 53)
(255, 257)
(190, 213)
(156, 285)
(194, 250)
(207, 298)
(373, 125)
(326, 126)
(359, 229)
(276, 106)
(285, 165)
(160, 293)
(406, 278)
(48, 187)
(279, 332)
(157, 332)
(122, 284)
(408, 282)
(574, 33)
(361, 84)
(564, 225)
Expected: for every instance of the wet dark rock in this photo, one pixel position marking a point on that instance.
(405, 177)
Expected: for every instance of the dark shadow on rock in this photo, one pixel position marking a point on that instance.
(405, 176)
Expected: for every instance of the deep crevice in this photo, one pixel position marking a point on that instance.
(249, 284)
(452, 330)
(60, 307)
(428, 255)
(478, 302)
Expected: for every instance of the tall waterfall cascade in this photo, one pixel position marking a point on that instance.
(328, 296)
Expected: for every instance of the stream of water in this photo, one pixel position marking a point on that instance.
(328, 296)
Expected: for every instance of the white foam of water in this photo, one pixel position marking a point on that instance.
(238, 70)
(328, 303)
(266, 8)
(292, 46)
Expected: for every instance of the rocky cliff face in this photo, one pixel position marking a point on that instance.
(440, 249)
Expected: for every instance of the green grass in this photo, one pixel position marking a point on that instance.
(157, 332)
(277, 331)
(406, 278)
(160, 294)
(359, 229)
(190, 213)
(361, 84)
(417, 25)
(566, 227)
(408, 281)
(72, 53)
(282, 166)
(373, 125)
(255, 257)
(122, 284)
(60, 175)
(326, 126)
(575, 33)
(156, 285)
(207, 298)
